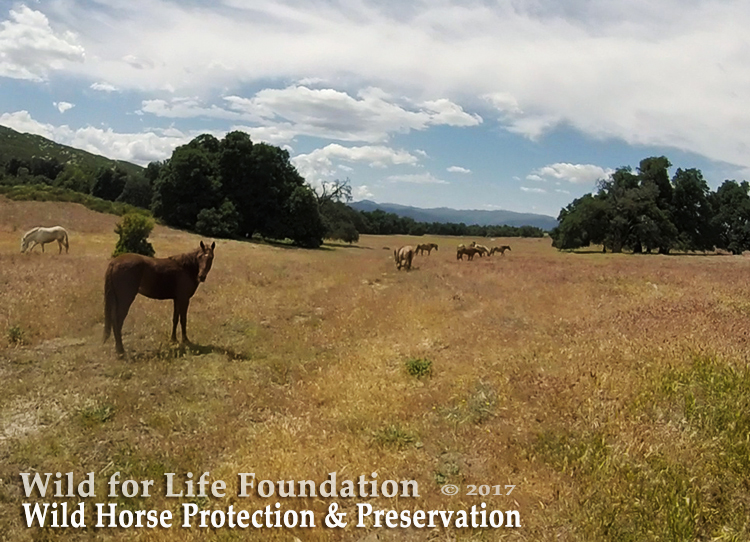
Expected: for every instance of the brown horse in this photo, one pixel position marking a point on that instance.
(176, 278)
(501, 250)
(428, 247)
(470, 252)
(403, 257)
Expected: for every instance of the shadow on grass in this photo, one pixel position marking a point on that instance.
(175, 351)
(677, 254)
(344, 245)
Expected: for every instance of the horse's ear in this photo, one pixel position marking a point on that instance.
(203, 247)
(213, 245)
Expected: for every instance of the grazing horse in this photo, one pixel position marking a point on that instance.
(176, 278)
(470, 252)
(403, 257)
(42, 236)
(483, 250)
(501, 250)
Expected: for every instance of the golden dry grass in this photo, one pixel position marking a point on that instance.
(559, 373)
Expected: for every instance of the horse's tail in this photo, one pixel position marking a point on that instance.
(65, 239)
(110, 304)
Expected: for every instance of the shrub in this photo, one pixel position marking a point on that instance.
(419, 367)
(134, 230)
(221, 222)
(16, 335)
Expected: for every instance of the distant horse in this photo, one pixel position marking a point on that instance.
(483, 250)
(176, 278)
(469, 251)
(403, 257)
(426, 247)
(501, 250)
(42, 236)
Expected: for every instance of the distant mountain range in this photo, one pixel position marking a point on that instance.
(457, 216)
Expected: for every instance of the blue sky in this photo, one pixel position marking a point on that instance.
(504, 104)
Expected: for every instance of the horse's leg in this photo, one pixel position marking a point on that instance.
(175, 319)
(125, 298)
(59, 246)
(183, 319)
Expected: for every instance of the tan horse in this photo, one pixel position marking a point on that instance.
(483, 250)
(428, 247)
(42, 236)
(501, 250)
(404, 256)
(176, 278)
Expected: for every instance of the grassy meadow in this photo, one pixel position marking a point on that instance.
(613, 391)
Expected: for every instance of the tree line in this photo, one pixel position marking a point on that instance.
(646, 211)
(234, 188)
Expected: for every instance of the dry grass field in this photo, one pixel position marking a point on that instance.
(611, 390)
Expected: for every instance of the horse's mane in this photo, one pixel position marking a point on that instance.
(187, 259)
(32, 230)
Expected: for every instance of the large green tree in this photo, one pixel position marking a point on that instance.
(109, 183)
(582, 223)
(731, 220)
(188, 183)
(236, 187)
(692, 213)
(647, 211)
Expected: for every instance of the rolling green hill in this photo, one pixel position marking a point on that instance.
(24, 147)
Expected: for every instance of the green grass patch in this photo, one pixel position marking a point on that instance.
(16, 336)
(96, 414)
(683, 478)
(419, 367)
(394, 436)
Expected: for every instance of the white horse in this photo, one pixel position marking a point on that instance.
(41, 236)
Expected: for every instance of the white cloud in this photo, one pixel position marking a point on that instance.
(370, 116)
(62, 107)
(30, 48)
(186, 108)
(459, 169)
(417, 178)
(573, 173)
(362, 192)
(321, 164)
(104, 87)
(140, 148)
(533, 190)
(668, 73)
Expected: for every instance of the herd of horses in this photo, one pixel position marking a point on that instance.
(178, 277)
(404, 255)
(473, 249)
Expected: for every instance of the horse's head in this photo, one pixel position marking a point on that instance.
(26, 241)
(205, 260)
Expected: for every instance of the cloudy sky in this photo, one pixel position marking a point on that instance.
(481, 104)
